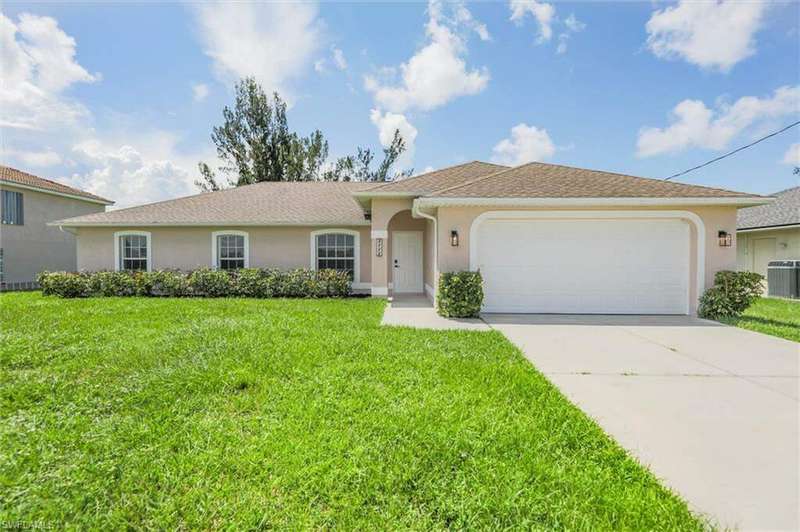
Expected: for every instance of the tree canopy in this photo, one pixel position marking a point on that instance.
(255, 144)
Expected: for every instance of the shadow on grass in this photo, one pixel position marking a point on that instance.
(764, 321)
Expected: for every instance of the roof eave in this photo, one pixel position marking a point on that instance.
(775, 227)
(98, 200)
(68, 223)
(738, 201)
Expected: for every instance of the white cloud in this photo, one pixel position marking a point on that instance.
(273, 42)
(38, 159)
(695, 125)
(38, 63)
(792, 155)
(526, 144)
(319, 66)
(387, 123)
(711, 34)
(437, 73)
(573, 24)
(200, 91)
(543, 12)
(339, 59)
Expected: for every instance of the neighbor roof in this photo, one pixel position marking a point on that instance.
(24, 179)
(540, 180)
(429, 182)
(267, 203)
(785, 210)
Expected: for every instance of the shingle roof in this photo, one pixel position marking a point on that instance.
(785, 210)
(540, 180)
(268, 203)
(430, 182)
(14, 176)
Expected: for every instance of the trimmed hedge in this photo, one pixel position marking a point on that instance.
(731, 294)
(249, 282)
(460, 294)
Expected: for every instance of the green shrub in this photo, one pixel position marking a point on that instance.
(254, 282)
(731, 294)
(211, 283)
(110, 284)
(460, 294)
(169, 283)
(64, 284)
(248, 282)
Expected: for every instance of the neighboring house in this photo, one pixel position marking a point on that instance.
(27, 244)
(769, 232)
(546, 238)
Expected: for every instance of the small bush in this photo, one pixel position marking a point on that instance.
(460, 294)
(64, 284)
(211, 283)
(731, 294)
(248, 282)
(168, 283)
(110, 284)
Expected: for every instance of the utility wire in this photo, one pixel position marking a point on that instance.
(790, 126)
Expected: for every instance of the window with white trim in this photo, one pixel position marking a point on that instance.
(336, 251)
(230, 251)
(133, 252)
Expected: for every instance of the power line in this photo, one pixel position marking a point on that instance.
(732, 152)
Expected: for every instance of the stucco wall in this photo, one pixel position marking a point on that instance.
(714, 219)
(188, 248)
(34, 246)
(787, 245)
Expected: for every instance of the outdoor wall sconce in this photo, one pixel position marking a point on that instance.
(725, 239)
(454, 238)
(379, 247)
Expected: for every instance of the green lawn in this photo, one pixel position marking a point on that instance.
(157, 413)
(778, 317)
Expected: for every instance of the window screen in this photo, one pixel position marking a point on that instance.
(230, 252)
(133, 252)
(12, 208)
(336, 252)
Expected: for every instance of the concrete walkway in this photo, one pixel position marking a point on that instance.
(712, 410)
(416, 310)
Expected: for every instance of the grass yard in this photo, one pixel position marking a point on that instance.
(778, 317)
(230, 413)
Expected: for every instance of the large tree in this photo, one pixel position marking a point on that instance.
(254, 144)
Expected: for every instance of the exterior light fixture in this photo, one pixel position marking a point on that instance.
(725, 239)
(454, 238)
(379, 247)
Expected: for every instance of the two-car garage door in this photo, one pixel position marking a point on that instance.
(584, 266)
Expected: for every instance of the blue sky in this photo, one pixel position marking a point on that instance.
(120, 98)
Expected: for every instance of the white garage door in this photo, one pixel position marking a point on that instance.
(580, 266)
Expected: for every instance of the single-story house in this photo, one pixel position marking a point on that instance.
(28, 244)
(769, 232)
(547, 238)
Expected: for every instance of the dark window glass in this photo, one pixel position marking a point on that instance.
(336, 251)
(133, 252)
(12, 208)
(230, 252)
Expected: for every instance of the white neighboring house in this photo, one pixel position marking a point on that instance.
(27, 244)
(769, 232)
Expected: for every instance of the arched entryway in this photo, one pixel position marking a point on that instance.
(406, 264)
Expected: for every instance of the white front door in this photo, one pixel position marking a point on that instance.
(407, 261)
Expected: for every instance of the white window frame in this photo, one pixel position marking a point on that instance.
(215, 234)
(149, 240)
(356, 250)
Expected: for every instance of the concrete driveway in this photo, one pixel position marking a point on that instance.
(712, 410)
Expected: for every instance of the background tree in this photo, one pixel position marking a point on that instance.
(255, 144)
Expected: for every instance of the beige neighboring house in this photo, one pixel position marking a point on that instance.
(28, 244)
(769, 232)
(546, 238)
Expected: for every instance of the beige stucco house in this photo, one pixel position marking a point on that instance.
(546, 238)
(27, 244)
(769, 232)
